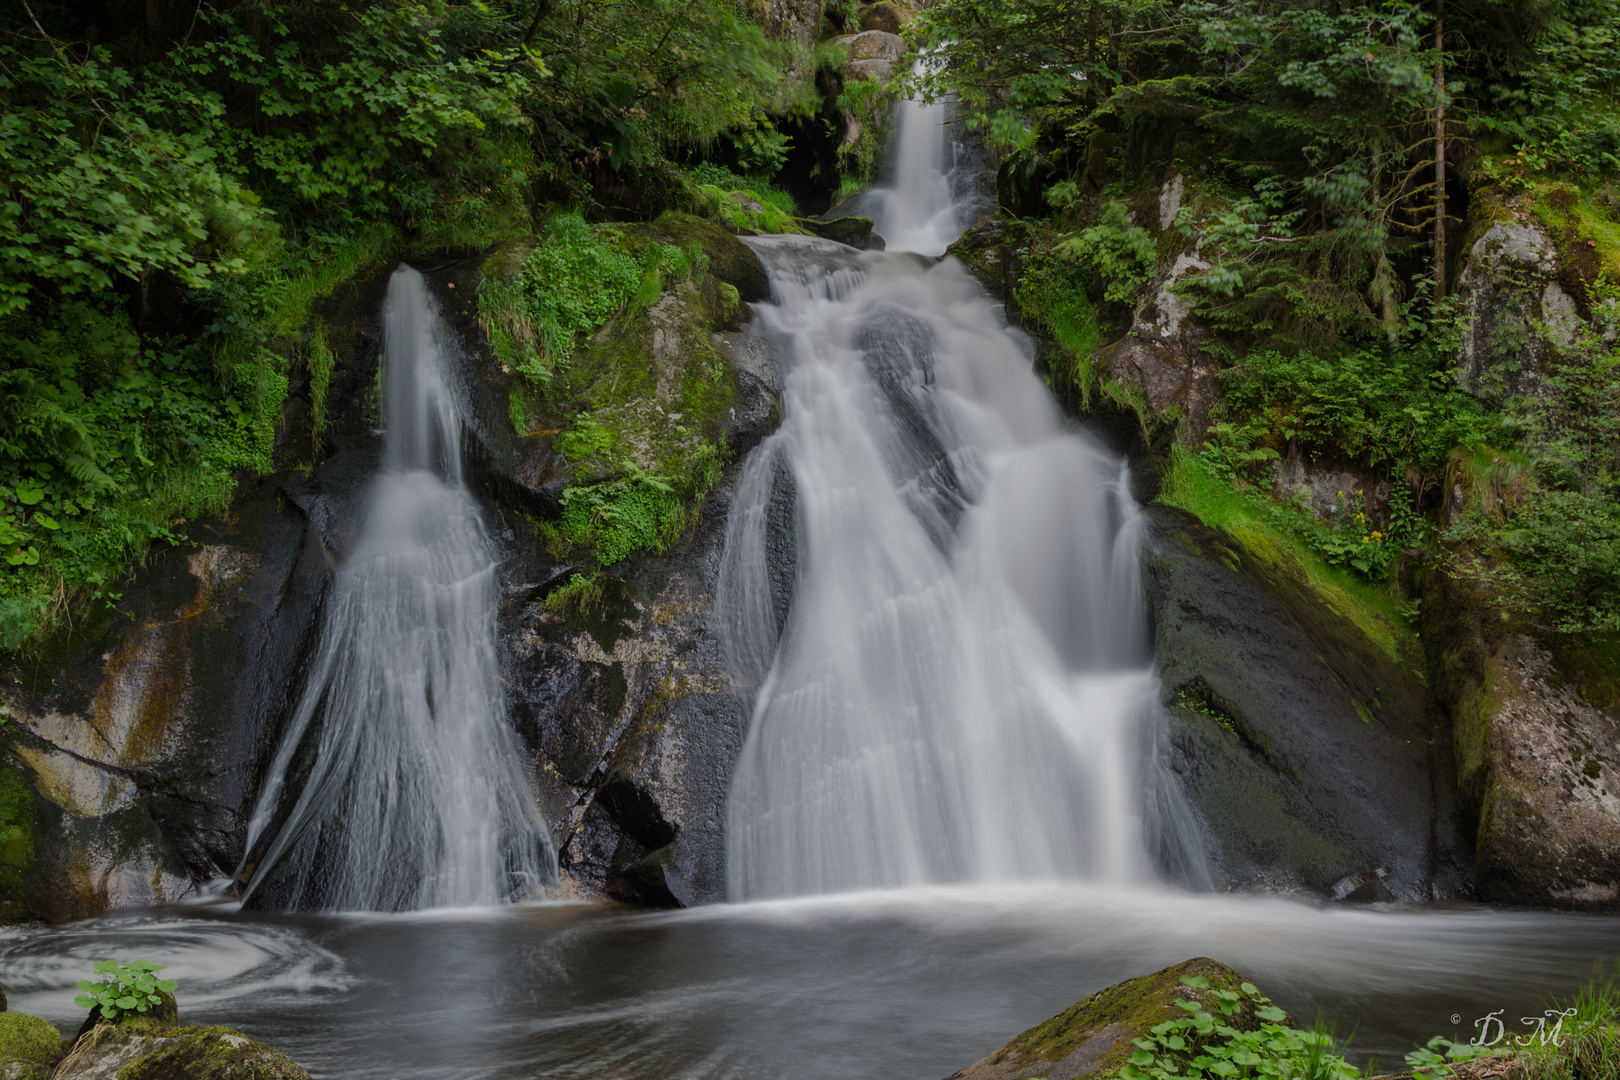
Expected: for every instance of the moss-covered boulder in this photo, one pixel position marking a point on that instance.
(1092, 1038)
(854, 231)
(885, 15)
(147, 1050)
(990, 250)
(29, 1047)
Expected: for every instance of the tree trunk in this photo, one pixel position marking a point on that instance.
(1439, 152)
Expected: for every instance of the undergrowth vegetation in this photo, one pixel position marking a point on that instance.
(179, 193)
(1300, 183)
(1247, 1037)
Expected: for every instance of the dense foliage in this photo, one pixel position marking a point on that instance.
(176, 190)
(1305, 139)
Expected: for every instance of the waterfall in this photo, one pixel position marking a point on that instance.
(414, 794)
(955, 685)
(919, 213)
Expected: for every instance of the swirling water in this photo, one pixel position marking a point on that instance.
(414, 794)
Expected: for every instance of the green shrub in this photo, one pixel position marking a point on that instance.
(124, 988)
(1121, 255)
(576, 278)
(1563, 549)
(1378, 405)
(1051, 296)
(1206, 1045)
(618, 518)
(582, 592)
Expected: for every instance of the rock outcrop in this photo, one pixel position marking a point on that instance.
(1536, 734)
(1093, 1037)
(149, 1050)
(1517, 310)
(140, 739)
(1311, 754)
(141, 733)
(1162, 353)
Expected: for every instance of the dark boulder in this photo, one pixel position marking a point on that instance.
(1312, 754)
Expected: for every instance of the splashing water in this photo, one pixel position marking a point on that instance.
(414, 796)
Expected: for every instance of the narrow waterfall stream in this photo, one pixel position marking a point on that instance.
(959, 689)
(414, 795)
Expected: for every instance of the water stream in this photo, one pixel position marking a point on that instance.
(414, 794)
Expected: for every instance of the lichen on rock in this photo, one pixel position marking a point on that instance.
(148, 1050)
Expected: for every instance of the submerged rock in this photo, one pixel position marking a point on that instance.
(148, 1050)
(1092, 1038)
(854, 231)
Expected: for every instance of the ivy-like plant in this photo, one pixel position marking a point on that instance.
(1203, 1044)
(124, 988)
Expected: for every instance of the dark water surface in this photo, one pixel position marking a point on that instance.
(907, 985)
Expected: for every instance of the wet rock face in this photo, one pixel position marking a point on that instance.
(1308, 752)
(634, 727)
(142, 733)
(1536, 733)
(141, 739)
(1517, 310)
(1093, 1037)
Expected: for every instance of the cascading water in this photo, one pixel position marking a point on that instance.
(414, 796)
(958, 687)
(919, 212)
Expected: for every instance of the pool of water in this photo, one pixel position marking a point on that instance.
(903, 985)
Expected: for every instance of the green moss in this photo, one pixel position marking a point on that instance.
(1568, 214)
(190, 1053)
(17, 854)
(29, 1042)
(638, 408)
(320, 361)
(1103, 1025)
(1377, 610)
(583, 592)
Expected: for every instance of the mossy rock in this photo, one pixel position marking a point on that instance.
(29, 1046)
(730, 260)
(165, 1012)
(854, 231)
(142, 1049)
(1092, 1038)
